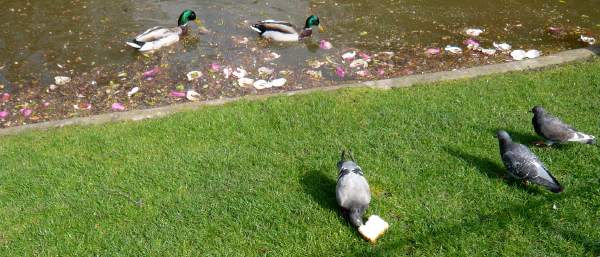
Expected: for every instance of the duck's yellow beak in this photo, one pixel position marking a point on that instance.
(198, 22)
(321, 29)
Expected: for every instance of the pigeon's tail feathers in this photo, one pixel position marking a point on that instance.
(546, 179)
(583, 138)
(355, 217)
(556, 189)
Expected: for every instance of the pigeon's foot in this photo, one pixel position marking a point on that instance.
(541, 144)
(525, 183)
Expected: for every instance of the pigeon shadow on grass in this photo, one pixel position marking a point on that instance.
(491, 169)
(321, 188)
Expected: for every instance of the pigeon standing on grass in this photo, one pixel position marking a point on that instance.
(353, 195)
(555, 131)
(352, 191)
(521, 163)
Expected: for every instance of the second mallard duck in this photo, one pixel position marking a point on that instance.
(157, 37)
(284, 31)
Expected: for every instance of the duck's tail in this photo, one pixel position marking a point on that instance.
(135, 44)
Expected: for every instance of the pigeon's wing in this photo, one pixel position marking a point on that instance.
(556, 130)
(352, 191)
(524, 164)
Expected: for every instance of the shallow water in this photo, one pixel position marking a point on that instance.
(85, 38)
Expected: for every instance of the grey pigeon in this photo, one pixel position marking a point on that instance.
(521, 163)
(352, 191)
(555, 131)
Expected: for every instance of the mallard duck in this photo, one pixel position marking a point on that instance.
(284, 31)
(157, 37)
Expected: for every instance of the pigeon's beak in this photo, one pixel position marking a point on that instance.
(321, 29)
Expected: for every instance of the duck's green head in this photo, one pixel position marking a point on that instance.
(187, 16)
(313, 21)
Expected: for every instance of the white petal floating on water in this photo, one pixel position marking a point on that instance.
(244, 82)
(324, 44)
(118, 107)
(272, 56)
(349, 56)
(265, 71)
(518, 54)
(61, 80)
(359, 63)
(502, 46)
(192, 75)
(488, 51)
(227, 72)
(533, 54)
(433, 51)
(586, 39)
(240, 73)
(453, 49)
(473, 32)
(278, 82)
(261, 84)
(133, 91)
(192, 95)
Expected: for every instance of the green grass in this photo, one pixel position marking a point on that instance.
(258, 178)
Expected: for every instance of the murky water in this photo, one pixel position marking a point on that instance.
(84, 39)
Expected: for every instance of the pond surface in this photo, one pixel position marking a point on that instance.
(85, 40)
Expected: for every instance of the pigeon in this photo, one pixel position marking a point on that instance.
(523, 164)
(352, 191)
(555, 131)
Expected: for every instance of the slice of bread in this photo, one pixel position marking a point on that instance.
(374, 228)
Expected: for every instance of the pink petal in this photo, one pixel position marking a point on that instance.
(215, 67)
(45, 104)
(5, 97)
(381, 71)
(3, 114)
(151, 73)
(26, 112)
(340, 72)
(177, 94)
(364, 56)
(471, 43)
(118, 107)
(362, 73)
(433, 51)
(324, 44)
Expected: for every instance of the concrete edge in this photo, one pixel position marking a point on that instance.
(564, 57)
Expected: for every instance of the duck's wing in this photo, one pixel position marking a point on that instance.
(157, 33)
(273, 25)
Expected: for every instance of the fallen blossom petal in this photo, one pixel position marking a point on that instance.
(359, 63)
(324, 44)
(433, 51)
(133, 91)
(473, 32)
(531, 54)
(26, 112)
(240, 73)
(502, 46)
(192, 75)
(227, 72)
(244, 82)
(61, 80)
(518, 55)
(215, 67)
(3, 114)
(453, 49)
(488, 51)
(586, 39)
(278, 82)
(6, 97)
(192, 95)
(471, 43)
(362, 73)
(261, 84)
(340, 72)
(265, 71)
(364, 56)
(381, 71)
(349, 56)
(117, 107)
(151, 73)
(177, 94)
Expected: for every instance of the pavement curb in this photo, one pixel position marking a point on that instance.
(564, 57)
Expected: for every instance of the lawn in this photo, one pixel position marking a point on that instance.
(258, 178)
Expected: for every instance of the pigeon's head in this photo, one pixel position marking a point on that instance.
(503, 136)
(346, 163)
(537, 110)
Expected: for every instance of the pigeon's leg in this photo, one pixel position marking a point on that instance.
(525, 182)
(542, 143)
